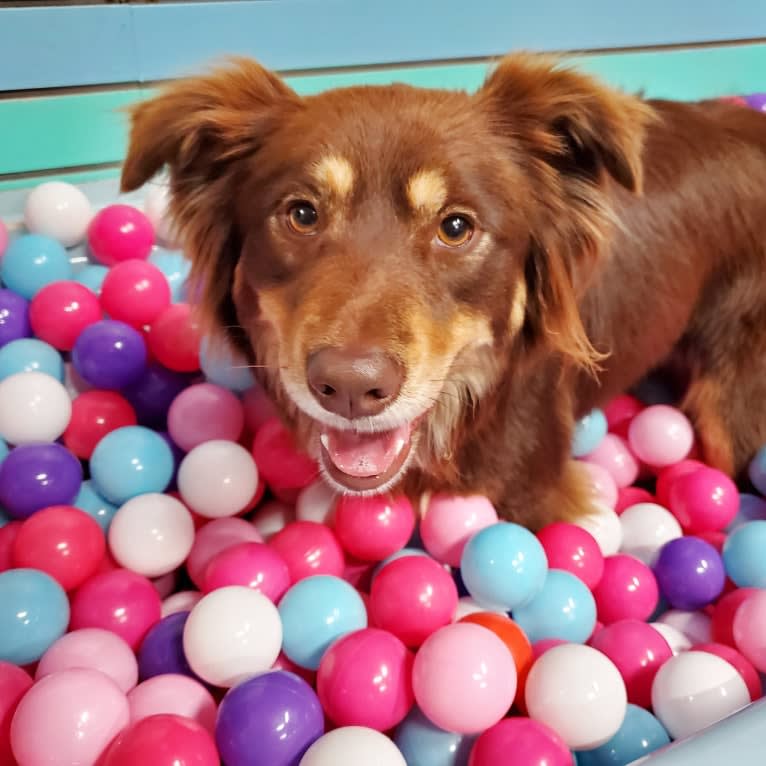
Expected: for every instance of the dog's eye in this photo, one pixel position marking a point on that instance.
(455, 230)
(302, 217)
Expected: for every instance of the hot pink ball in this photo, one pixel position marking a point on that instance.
(365, 679)
(259, 409)
(118, 233)
(661, 435)
(743, 666)
(531, 742)
(135, 292)
(450, 521)
(309, 549)
(749, 629)
(627, 590)
(602, 486)
(372, 528)
(68, 717)
(614, 454)
(119, 600)
(8, 535)
(464, 678)
(15, 682)
(539, 648)
(722, 616)
(638, 651)
(254, 565)
(3, 238)
(667, 477)
(574, 550)
(412, 597)
(632, 496)
(620, 411)
(204, 412)
(705, 500)
(60, 311)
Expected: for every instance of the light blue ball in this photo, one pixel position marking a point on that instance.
(34, 612)
(94, 505)
(589, 432)
(92, 276)
(424, 744)
(30, 355)
(757, 470)
(640, 734)
(33, 261)
(224, 369)
(503, 566)
(564, 608)
(4, 450)
(315, 612)
(176, 268)
(131, 461)
(743, 555)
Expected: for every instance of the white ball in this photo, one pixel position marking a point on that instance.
(604, 524)
(696, 626)
(60, 211)
(466, 605)
(646, 527)
(34, 408)
(218, 478)
(183, 601)
(231, 634)
(151, 534)
(677, 641)
(695, 690)
(316, 503)
(579, 693)
(351, 746)
(156, 210)
(271, 517)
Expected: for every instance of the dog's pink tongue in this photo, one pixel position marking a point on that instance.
(365, 455)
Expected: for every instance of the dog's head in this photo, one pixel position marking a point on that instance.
(384, 254)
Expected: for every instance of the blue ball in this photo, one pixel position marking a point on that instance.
(33, 261)
(640, 734)
(503, 566)
(34, 612)
(563, 609)
(4, 450)
(131, 461)
(424, 744)
(92, 276)
(5, 517)
(224, 369)
(757, 470)
(743, 555)
(95, 506)
(589, 432)
(30, 355)
(315, 612)
(176, 268)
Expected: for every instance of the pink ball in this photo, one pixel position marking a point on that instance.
(741, 665)
(619, 413)
(92, 648)
(118, 233)
(365, 679)
(531, 742)
(602, 486)
(60, 311)
(204, 412)
(309, 549)
(539, 648)
(667, 477)
(259, 409)
(135, 292)
(661, 435)
(614, 454)
(180, 601)
(705, 500)
(574, 550)
(68, 717)
(464, 678)
(450, 521)
(749, 629)
(14, 684)
(629, 496)
(3, 238)
(372, 528)
(627, 590)
(638, 651)
(254, 565)
(723, 613)
(412, 597)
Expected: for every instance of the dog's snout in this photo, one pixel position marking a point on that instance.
(354, 384)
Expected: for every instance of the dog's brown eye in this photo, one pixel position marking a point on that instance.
(302, 217)
(455, 230)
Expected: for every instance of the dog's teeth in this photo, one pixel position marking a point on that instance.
(325, 441)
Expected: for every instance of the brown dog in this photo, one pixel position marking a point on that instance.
(434, 285)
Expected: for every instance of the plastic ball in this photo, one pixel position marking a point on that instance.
(259, 409)
(217, 478)
(703, 500)
(60, 311)
(97, 507)
(628, 590)
(316, 502)
(109, 354)
(574, 550)
(8, 532)
(689, 572)
(58, 210)
(742, 665)
(350, 746)
(156, 202)
(224, 367)
(604, 524)
(309, 549)
(3, 237)
(37, 476)
(614, 455)
(577, 692)
(696, 626)
(531, 742)
(94, 415)
(30, 355)
(92, 276)
(412, 597)
(315, 612)
(751, 508)
(34, 407)
(675, 639)
(118, 600)
(175, 268)
(694, 690)
(131, 461)
(232, 634)
(423, 743)
(83, 711)
(646, 527)
(742, 554)
(589, 432)
(174, 338)
(255, 565)
(14, 316)
(630, 496)
(92, 648)
(33, 261)
(34, 612)
(120, 232)
(723, 612)
(14, 684)
(660, 435)
(135, 292)
(161, 651)
(757, 470)
(749, 629)
(151, 534)
(62, 541)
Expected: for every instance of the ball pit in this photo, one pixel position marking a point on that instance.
(173, 570)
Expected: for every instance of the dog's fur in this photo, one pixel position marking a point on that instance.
(612, 235)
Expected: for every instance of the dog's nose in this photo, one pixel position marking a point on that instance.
(352, 383)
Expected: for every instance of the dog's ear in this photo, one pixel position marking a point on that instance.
(570, 135)
(198, 129)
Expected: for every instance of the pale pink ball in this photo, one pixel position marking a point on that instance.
(182, 601)
(661, 435)
(749, 629)
(601, 484)
(449, 523)
(613, 453)
(204, 412)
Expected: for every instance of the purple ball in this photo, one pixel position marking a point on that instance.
(14, 317)
(757, 101)
(277, 710)
(162, 650)
(36, 476)
(153, 393)
(690, 573)
(109, 354)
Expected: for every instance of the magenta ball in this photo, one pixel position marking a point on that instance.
(60, 311)
(627, 590)
(309, 548)
(531, 742)
(254, 565)
(135, 292)
(119, 233)
(660, 436)
(574, 550)
(704, 500)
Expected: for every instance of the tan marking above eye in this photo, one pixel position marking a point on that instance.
(427, 191)
(335, 173)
